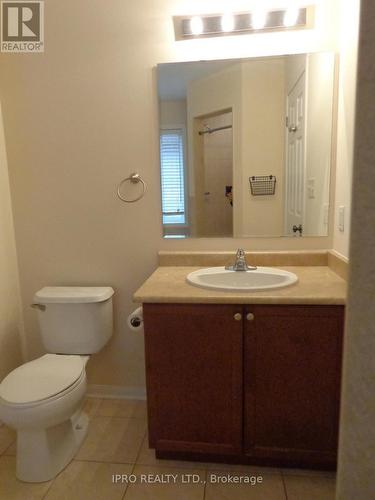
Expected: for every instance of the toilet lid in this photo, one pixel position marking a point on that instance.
(42, 378)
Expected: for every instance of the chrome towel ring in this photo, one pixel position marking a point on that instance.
(135, 179)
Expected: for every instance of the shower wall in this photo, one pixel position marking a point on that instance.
(216, 215)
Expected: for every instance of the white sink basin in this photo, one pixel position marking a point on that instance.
(262, 278)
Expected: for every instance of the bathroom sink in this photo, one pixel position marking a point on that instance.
(262, 278)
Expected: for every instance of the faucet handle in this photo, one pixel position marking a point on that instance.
(240, 252)
(240, 263)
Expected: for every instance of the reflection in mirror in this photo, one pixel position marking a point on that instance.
(245, 146)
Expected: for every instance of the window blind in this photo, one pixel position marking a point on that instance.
(172, 176)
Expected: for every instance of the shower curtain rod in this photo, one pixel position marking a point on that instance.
(209, 130)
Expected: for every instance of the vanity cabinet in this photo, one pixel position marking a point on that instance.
(194, 377)
(240, 383)
(292, 369)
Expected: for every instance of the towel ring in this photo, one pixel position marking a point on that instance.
(135, 179)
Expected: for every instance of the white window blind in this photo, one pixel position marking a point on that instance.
(172, 176)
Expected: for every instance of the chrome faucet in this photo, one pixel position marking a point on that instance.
(240, 263)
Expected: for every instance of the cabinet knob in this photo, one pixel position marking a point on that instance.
(250, 317)
(237, 316)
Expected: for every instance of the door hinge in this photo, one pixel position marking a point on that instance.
(287, 121)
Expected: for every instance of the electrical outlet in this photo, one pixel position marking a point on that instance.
(311, 188)
(342, 218)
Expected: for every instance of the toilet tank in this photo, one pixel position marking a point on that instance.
(74, 320)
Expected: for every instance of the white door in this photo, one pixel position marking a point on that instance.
(295, 159)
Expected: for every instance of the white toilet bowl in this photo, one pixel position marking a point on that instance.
(42, 400)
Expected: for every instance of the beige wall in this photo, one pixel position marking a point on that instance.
(348, 43)
(82, 116)
(356, 470)
(10, 307)
(262, 143)
(172, 113)
(319, 120)
(295, 65)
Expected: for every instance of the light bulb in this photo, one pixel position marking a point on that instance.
(290, 17)
(258, 19)
(196, 25)
(227, 22)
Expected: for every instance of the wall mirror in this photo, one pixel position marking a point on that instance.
(246, 146)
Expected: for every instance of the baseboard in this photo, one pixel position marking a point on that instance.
(116, 392)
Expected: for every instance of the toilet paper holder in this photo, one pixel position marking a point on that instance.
(41, 307)
(136, 321)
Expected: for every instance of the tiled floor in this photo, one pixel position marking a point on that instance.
(117, 445)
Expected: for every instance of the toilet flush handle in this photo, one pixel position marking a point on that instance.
(41, 307)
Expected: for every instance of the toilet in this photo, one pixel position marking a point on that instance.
(43, 399)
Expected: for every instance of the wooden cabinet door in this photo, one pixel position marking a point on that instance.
(292, 358)
(194, 377)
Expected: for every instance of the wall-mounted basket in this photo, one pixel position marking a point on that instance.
(261, 185)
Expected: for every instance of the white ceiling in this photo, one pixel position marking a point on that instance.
(173, 78)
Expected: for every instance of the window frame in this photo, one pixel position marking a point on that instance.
(176, 228)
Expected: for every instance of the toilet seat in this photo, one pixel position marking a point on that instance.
(45, 378)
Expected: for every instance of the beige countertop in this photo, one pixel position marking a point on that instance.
(316, 285)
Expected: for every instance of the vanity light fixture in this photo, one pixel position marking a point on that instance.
(258, 19)
(227, 23)
(196, 26)
(210, 25)
(290, 17)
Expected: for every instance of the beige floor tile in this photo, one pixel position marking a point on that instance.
(310, 487)
(128, 408)
(11, 451)
(270, 488)
(7, 437)
(12, 489)
(248, 469)
(308, 472)
(89, 481)
(174, 487)
(147, 457)
(91, 406)
(112, 439)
